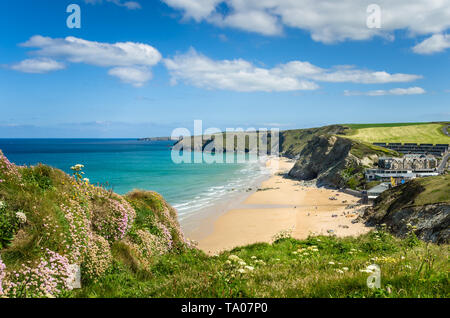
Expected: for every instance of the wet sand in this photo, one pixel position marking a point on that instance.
(280, 204)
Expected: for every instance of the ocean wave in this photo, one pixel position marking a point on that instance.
(238, 182)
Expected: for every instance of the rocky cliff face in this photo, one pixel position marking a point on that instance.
(400, 209)
(329, 160)
(431, 222)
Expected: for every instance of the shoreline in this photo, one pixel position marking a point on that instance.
(200, 224)
(277, 204)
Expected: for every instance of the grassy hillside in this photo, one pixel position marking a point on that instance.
(292, 142)
(49, 220)
(316, 267)
(404, 133)
(131, 246)
(417, 192)
(422, 204)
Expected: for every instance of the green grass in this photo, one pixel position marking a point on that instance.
(409, 268)
(360, 126)
(436, 190)
(293, 141)
(361, 149)
(399, 133)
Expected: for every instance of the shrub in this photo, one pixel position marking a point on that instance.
(9, 225)
(112, 218)
(47, 279)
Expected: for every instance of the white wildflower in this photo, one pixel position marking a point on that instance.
(21, 216)
(234, 258)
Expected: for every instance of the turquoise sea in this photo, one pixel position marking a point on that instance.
(127, 164)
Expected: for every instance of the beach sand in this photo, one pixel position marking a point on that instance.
(280, 204)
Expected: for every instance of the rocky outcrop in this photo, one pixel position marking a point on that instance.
(402, 208)
(431, 222)
(328, 160)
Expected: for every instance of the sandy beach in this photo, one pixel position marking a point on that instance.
(279, 204)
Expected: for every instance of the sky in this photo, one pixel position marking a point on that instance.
(143, 68)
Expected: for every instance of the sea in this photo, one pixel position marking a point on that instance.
(126, 164)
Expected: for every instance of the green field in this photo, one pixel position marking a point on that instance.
(403, 132)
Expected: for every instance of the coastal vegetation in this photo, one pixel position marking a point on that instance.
(423, 202)
(132, 246)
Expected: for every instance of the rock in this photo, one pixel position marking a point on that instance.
(396, 208)
(74, 280)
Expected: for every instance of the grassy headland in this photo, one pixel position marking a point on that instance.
(430, 133)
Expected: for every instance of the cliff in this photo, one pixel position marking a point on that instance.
(336, 161)
(420, 205)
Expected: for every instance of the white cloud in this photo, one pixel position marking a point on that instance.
(39, 66)
(77, 50)
(130, 5)
(240, 75)
(342, 74)
(253, 21)
(434, 44)
(130, 58)
(132, 75)
(395, 91)
(236, 75)
(327, 20)
(195, 9)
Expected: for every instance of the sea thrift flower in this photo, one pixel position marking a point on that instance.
(98, 258)
(119, 218)
(48, 279)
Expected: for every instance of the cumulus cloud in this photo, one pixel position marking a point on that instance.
(395, 91)
(327, 20)
(342, 74)
(240, 75)
(134, 59)
(38, 66)
(130, 5)
(434, 44)
(236, 75)
(132, 75)
(195, 9)
(77, 50)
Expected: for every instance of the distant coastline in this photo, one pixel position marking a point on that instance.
(158, 139)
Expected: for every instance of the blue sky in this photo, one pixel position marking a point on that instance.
(143, 68)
